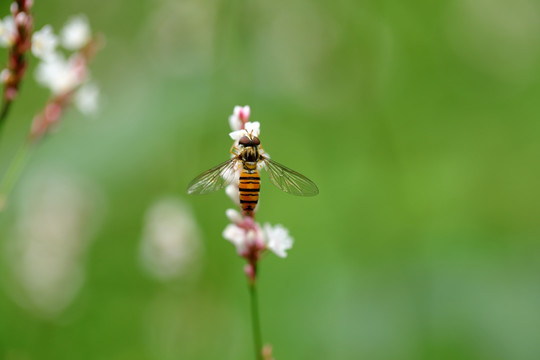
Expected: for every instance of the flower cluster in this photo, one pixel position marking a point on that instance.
(54, 71)
(15, 32)
(66, 77)
(250, 239)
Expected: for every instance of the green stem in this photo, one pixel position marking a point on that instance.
(6, 104)
(255, 321)
(13, 173)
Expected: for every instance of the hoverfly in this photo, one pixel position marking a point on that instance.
(248, 156)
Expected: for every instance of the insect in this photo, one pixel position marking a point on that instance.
(247, 157)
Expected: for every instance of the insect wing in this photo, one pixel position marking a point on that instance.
(214, 179)
(289, 180)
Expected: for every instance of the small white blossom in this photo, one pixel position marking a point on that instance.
(234, 216)
(4, 75)
(240, 116)
(8, 31)
(250, 128)
(76, 33)
(22, 19)
(278, 239)
(237, 236)
(60, 75)
(170, 245)
(87, 99)
(44, 42)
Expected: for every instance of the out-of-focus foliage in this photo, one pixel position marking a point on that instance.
(418, 120)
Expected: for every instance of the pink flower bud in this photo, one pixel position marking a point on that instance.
(250, 272)
(22, 19)
(14, 8)
(52, 112)
(10, 93)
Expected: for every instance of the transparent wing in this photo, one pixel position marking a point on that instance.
(289, 180)
(214, 179)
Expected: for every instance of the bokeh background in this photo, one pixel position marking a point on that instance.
(419, 121)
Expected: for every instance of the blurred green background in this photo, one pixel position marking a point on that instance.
(418, 120)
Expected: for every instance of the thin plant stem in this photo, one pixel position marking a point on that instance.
(13, 172)
(257, 342)
(6, 104)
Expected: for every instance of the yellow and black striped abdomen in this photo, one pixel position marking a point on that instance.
(249, 186)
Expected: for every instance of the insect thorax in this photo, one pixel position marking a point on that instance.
(250, 155)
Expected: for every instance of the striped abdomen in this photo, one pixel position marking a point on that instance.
(249, 186)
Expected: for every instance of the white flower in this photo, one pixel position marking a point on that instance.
(60, 75)
(240, 115)
(243, 238)
(170, 245)
(4, 75)
(278, 239)
(76, 33)
(44, 42)
(237, 236)
(234, 216)
(250, 128)
(8, 31)
(87, 99)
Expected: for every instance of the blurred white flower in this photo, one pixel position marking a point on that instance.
(250, 128)
(278, 239)
(61, 75)
(87, 99)
(234, 216)
(170, 244)
(239, 117)
(76, 33)
(4, 75)
(44, 42)
(8, 31)
(52, 233)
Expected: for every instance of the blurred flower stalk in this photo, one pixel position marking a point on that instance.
(15, 34)
(62, 68)
(55, 220)
(252, 241)
(66, 78)
(170, 245)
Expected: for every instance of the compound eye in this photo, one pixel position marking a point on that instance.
(256, 141)
(244, 141)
